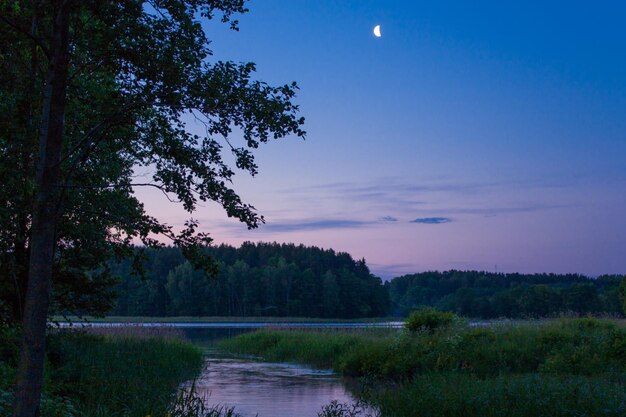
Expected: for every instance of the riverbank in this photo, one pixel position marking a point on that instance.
(109, 372)
(215, 319)
(557, 368)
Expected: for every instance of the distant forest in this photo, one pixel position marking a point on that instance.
(271, 279)
(256, 279)
(491, 295)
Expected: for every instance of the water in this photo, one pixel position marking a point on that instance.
(242, 325)
(261, 388)
(269, 389)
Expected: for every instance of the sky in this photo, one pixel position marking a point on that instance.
(476, 135)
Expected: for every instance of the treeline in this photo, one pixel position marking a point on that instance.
(492, 295)
(256, 279)
(271, 279)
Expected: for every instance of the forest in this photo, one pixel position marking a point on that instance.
(256, 279)
(492, 295)
(287, 280)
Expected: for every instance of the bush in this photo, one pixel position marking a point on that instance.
(429, 320)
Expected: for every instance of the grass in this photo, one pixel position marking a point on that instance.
(461, 394)
(113, 372)
(568, 367)
(122, 375)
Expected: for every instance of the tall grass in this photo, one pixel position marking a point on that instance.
(527, 395)
(123, 375)
(569, 367)
(115, 372)
(581, 346)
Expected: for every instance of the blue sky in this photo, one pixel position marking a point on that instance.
(471, 135)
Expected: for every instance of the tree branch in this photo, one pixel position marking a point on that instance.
(27, 34)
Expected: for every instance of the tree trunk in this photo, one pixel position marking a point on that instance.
(44, 221)
(20, 243)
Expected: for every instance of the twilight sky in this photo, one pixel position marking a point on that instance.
(472, 135)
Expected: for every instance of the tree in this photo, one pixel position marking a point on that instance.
(330, 306)
(622, 290)
(581, 298)
(94, 90)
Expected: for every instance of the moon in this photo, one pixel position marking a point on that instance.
(377, 31)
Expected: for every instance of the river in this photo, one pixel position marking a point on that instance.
(255, 387)
(265, 389)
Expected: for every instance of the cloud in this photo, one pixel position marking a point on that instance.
(428, 195)
(496, 210)
(314, 225)
(432, 220)
(388, 219)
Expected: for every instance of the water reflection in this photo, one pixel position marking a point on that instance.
(206, 337)
(269, 389)
(254, 387)
(262, 388)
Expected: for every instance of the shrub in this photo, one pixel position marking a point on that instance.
(429, 320)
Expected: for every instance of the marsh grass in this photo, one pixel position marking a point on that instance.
(567, 367)
(459, 394)
(114, 372)
(126, 374)
(134, 331)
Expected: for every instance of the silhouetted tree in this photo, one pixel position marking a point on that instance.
(100, 88)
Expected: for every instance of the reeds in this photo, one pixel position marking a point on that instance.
(132, 330)
(567, 367)
(114, 372)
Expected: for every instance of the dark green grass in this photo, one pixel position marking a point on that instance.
(132, 373)
(571, 367)
(528, 395)
(121, 375)
(582, 347)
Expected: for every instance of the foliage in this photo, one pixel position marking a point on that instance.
(337, 409)
(457, 394)
(489, 295)
(622, 289)
(140, 73)
(428, 319)
(96, 94)
(188, 404)
(262, 279)
(563, 367)
(125, 373)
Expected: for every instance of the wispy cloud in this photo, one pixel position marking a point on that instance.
(496, 210)
(429, 195)
(432, 220)
(312, 225)
(388, 219)
(303, 225)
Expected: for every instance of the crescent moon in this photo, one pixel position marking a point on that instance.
(377, 31)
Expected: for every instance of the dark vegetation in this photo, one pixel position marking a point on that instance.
(95, 96)
(263, 279)
(286, 280)
(558, 368)
(428, 320)
(119, 372)
(490, 295)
